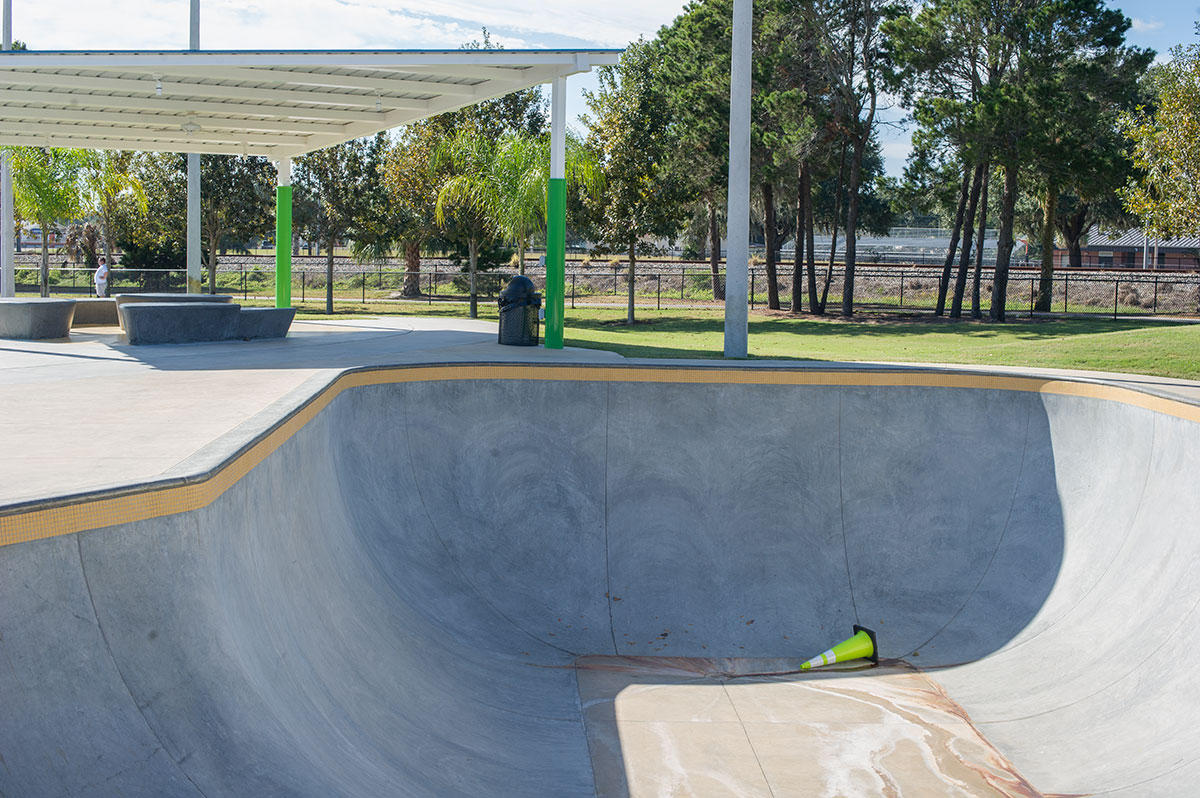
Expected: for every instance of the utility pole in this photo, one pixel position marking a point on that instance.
(8, 215)
(193, 183)
(737, 260)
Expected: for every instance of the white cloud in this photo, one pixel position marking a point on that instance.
(335, 24)
(1145, 26)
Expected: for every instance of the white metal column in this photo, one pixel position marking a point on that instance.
(193, 182)
(737, 259)
(558, 129)
(556, 217)
(8, 214)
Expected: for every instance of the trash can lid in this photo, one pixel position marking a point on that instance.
(518, 286)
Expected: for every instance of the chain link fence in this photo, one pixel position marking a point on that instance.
(884, 288)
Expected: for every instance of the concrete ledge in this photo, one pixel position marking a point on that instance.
(31, 319)
(95, 311)
(129, 299)
(255, 323)
(179, 322)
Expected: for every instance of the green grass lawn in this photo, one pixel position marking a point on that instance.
(1140, 347)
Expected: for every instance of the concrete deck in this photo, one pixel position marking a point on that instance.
(591, 584)
(93, 413)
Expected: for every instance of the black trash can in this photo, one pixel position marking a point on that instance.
(519, 305)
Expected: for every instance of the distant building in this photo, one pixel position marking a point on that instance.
(1125, 249)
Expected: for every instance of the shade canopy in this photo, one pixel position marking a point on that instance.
(278, 104)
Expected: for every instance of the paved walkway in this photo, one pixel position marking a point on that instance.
(93, 412)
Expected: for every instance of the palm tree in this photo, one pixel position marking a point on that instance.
(471, 198)
(500, 188)
(46, 189)
(108, 181)
(522, 170)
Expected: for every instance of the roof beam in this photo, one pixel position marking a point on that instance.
(396, 59)
(264, 75)
(93, 143)
(494, 88)
(134, 133)
(171, 88)
(163, 120)
(453, 71)
(152, 104)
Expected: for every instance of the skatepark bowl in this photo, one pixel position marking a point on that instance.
(524, 580)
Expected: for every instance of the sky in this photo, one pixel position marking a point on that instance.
(446, 24)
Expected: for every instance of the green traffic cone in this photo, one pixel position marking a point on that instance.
(861, 646)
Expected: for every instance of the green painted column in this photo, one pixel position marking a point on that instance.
(283, 235)
(556, 251)
(556, 217)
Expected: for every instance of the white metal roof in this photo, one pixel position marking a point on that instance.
(1135, 239)
(279, 104)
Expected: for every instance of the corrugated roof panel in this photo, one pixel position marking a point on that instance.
(1123, 239)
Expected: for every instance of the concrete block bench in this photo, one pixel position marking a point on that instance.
(179, 322)
(127, 299)
(95, 311)
(35, 318)
(257, 323)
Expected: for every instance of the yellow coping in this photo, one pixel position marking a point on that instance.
(46, 520)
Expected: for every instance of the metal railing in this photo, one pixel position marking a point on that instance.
(886, 288)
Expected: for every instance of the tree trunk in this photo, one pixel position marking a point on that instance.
(770, 234)
(944, 284)
(976, 313)
(473, 257)
(329, 278)
(1004, 246)
(106, 214)
(44, 277)
(521, 256)
(632, 278)
(852, 228)
(837, 218)
(714, 254)
(809, 234)
(1073, 230)
(798, 260)
(412, 269)
(212, 266)
(1045, 293)
(964, 263)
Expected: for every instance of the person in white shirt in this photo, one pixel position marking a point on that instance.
(101, 278)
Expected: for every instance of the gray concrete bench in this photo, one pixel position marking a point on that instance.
(95, 311)
(179, 322)
(31, 319)
(127, 299)
(256, 323)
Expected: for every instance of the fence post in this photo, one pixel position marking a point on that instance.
(302, 283)
(658, 289)
(752, 275)
(1155, 310)
(1030, 297)
(614, 280)
(901, 288)
(1116, 290)
(572, 290)
(244, 291)
(364, 287)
